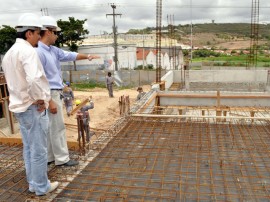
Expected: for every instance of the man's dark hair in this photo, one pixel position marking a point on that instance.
(42, 32)
(21, 35)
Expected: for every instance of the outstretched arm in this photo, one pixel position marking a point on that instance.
(81, 56)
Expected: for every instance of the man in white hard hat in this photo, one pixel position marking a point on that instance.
(29, 96)
(50, 57)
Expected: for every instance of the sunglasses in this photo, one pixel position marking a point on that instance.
(54, 32)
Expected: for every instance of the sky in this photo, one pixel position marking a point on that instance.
(135, 14)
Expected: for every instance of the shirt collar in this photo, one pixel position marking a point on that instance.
(22, 41)
(44, 46)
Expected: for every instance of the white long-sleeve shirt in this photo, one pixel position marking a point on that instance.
(25, 77)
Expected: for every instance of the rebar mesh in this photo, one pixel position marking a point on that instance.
(153, 159)
(158, 159)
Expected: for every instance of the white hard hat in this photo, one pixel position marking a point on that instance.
(49, 22)
(28, 21)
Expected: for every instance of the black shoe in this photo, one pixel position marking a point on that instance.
(49, 163)
(70, 163)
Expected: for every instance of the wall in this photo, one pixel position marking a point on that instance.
(230, 80)
(210, 99)
(203, 67)
(228, 75)
(140, 77)
(168, 78)
(131, 78)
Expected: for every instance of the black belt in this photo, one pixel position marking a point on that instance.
(56, 89)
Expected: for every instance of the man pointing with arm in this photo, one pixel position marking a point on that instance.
(50, 57)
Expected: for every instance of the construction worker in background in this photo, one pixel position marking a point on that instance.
(141, 93)
(29, 96)
(50, 57)
(86, 117)
(109, 84)
(68, 98)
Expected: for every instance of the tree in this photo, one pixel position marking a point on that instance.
(7, 39)
(72, 34)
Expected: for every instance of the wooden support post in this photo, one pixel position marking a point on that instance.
(162, 85)
(218, 113)
(203, 113)
(218, 110)
(120, 102)
(157, 104)
(79, 132)
(128, 104)
(252, 113)
(120, 105)
(9, 116)
(224, 114)
(81, 136)
(218, 99)
(123, 105)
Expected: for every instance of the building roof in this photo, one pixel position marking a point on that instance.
(142, 53)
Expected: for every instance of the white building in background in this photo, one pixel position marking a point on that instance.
(145, 57)
(126, 57)
(148, 57)
(165, 62)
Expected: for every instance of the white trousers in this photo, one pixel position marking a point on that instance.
(57, 142)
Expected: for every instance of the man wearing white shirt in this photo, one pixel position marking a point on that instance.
(29, 96)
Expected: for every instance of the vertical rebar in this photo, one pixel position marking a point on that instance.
(158, 39)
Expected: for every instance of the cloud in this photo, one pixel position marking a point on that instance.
(135, 14)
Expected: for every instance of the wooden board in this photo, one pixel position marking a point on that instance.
(79, 106)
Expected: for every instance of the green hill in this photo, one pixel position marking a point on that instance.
(211, 34)
(235, 29)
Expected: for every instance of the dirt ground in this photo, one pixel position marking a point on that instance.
(106, 110)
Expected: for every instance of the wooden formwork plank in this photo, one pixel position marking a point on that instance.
(10, 140)
(72, 145)
(79, 106)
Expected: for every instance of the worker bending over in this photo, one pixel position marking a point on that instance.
(86, 117)
(141, 93)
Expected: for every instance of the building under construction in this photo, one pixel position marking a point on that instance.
(181, 142)
(196, 136)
